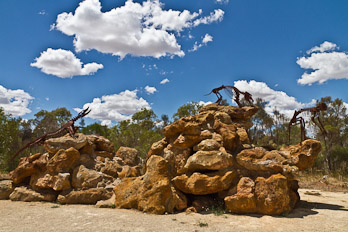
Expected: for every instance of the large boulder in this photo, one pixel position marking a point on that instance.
(23, 193)
(151, 192)
(85, 178)
(53, 145)
(209, 160)
(304, 154)
(6, 188)
(28, 166)
(63, 160)
(128, 155)
(58, 182)
(271, 196)
(101, 143)
(203, 184)
(88, 196)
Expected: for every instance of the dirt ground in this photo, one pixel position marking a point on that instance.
(317, 211)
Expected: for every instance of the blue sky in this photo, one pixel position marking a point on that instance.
(162, 54)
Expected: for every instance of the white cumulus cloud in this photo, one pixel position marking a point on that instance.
(326, 46)
(206, 39)
(137, 29)
(164, 81)
(64, 64)
(115, 107)
(324, 64)
(15, 102)
(150, 90)
(279, 100)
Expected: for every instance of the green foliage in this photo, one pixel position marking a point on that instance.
(9, 140)
(138, 133)
(188, 109)
(95, 129)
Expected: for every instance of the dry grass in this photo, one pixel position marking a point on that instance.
(326, 182)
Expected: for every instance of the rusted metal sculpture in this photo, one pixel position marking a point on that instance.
(69, 126)
(232, 92)
(314, 115)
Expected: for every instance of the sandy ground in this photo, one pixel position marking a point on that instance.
(317, 211)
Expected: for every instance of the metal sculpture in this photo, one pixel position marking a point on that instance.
(69, 126)
(232, 92)
(314, 115)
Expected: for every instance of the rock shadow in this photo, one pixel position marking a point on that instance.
(306, 208)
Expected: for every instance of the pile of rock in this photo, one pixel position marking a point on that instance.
(207, 159)
(80, 170)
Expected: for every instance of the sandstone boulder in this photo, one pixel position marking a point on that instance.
(85, 178)
(28, 166)
(128, 155)
(63, 160)
(209, 160)
(157, 148)
(23, 193)
(101, 143)
(88, 196)
(6, 189)
(244, 200)
(53, 145)
(304, 154)
(203, 184)
(58, 182)
(151, 192)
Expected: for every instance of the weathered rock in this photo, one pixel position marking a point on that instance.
(180, 199)
(176, 158)
(109, 203)
(208, 145)
(157, 148)
(6, 188)
(231, 140)
(88, 196)
(58, 182)
(28, 166)
(104, 154)
(272, 195)
(243, 136)
(111, 168)
(23, 193)
(55, 144)
(128, 155)
(63, 160)
(87, 161)
(261, 160)
(192, 125)
(5, 176)
(237, 114)
(186, 141)
(101, 143)
(89, 148)
(128, 171)
(209, 160)
(151, 192)
(85, 178)
(303, 154)
(244, 201)
(203, 184)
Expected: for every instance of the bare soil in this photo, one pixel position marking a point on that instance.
(317, 211)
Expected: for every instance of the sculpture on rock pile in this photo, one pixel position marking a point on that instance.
(69, 126)
(232, 92)
(314, 115)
